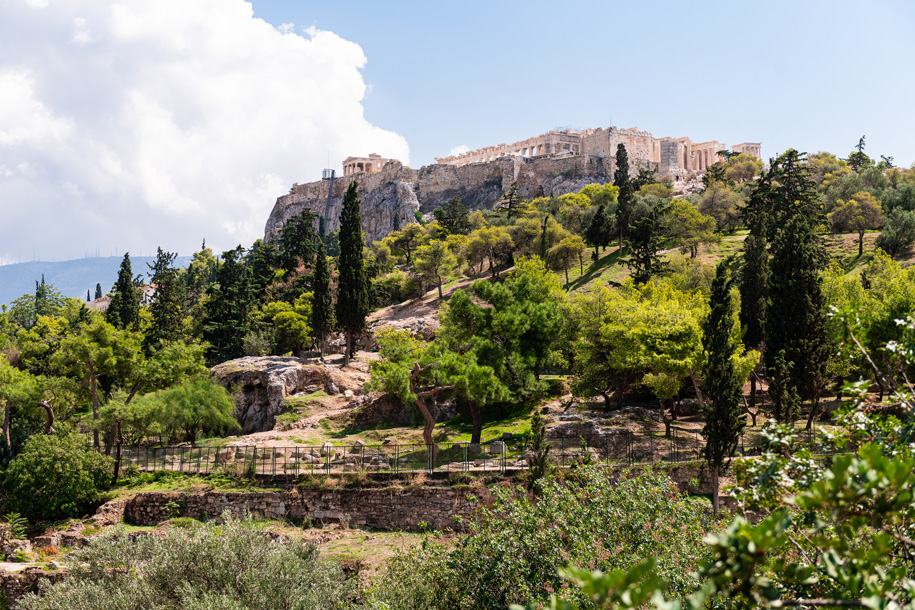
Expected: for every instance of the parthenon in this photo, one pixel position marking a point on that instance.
(667, 155)
(364, 165)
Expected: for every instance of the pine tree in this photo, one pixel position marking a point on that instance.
(352, 285)
(724, 421)
(98, 291)
(598, 233)
(322, 304)
(624, 199)
(297, 240)
(124, 310)
(228, 308)
(796, 316)
(510, 203)
(167, 303)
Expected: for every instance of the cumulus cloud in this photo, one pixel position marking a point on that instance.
(144, 123)
(459, 150)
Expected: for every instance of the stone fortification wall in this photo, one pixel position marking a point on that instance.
(386, 509)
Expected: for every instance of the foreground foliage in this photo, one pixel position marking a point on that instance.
(232, 566)
(512, 552)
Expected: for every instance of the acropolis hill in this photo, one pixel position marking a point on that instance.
(551, 164)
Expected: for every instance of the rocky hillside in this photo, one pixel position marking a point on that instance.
(391, 198)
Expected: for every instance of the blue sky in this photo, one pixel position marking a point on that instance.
(809, 75)
(130, 124)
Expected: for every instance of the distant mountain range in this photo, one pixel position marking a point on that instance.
(72, 278)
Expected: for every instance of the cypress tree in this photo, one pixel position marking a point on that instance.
(167, 305)
(754, 283)
(124, 310)
(646, 240)
(624, 200)
(352, 285)
(98, 291)
(598, 232)
(722, 389)
(227, 309)
(322, 304)
(88, 295)
(797, 341)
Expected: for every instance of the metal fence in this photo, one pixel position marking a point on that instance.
(621, 446)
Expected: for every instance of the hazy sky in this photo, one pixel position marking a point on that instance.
(131, 124)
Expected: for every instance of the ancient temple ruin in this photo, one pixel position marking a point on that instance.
(372, 164)
(667, 155)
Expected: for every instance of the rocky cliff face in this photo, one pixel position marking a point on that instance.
(391, 198)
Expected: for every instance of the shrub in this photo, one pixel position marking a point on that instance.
(513, 551)
(56, 476)
(230, 566)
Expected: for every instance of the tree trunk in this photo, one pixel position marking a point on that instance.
(117, 456)
(109, 441)
(6, 425)
(715, 490)
(349, 342)
(93, 389)
(49, 412)
(666, 411)
(692, 377)
(753, 393)
(814, 411)
(860, 243)
(440, 290)
(621, 240)
(477, 418)
(567, 279)
(607, 401)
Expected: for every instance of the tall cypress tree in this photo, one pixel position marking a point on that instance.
(352, 285)
(599, 232)
(322, 303)
(797, 341)
(167, 304)
(98, 291)
(228, 308)
(624, 199)
(754, 286)
(722, 388)
(124, 310)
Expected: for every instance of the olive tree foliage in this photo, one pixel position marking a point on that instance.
(418, 373)
(232, 565)
(513, 549)
(723, 204)
(898, 234)
(858, 214)
(188, 408)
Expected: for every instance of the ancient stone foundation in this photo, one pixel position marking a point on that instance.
(386, 509)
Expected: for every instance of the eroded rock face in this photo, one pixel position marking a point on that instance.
(265, 382)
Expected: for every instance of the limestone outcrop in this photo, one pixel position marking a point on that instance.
(264, 383)
(391, 197)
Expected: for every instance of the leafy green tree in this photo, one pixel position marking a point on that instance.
(102, 356)
(563, 255)
(646, 240)
(539, 463)
(434, 262)
(166, 309)
(624, 207)
(510, 326)
(453, 217)
(47, 301)
(191, 407)
(219, 565)
(723, 204)
(56, 477)
(322, 303)
(858, 160)
(352, 285)
(289, 324)
(898, 232)
(796, 330)
(407, 240)
(263, 260)
(722, 391)
(228, 309)
(16, 387)
(124, 310)
(784, 192)
(688, 228)
(859, 214)
(743, 168)
(510, 203)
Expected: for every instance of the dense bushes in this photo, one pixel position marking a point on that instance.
(232, 566)
(512, 553)
(55, 477)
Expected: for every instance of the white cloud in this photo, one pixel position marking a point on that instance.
(459, 150)
(160, 123)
